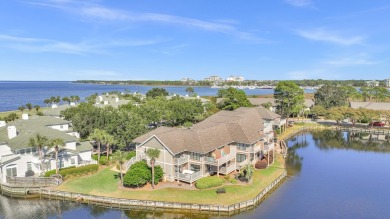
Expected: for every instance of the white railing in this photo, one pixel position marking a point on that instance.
(189, 177)
(268, 146)
(221, 160)
(86, 162)
(228, 169)
(255, 148)
(129, 163)
(181, 160)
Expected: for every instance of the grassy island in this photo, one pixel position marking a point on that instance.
(106, 183)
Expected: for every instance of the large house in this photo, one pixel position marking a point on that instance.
(17, 156)
(221, 144)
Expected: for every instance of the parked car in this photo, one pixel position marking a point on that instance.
(380, 124)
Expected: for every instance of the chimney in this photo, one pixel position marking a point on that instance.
(2, 123)
(11, 132)
(117, 99)
(54, 106)
(100, 98)
(25, 116)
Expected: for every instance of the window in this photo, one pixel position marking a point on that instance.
(195, 168)
(12, 170)
(241, 157)
(29, 166)
(72, 161)
(242, 147)
(194, 156)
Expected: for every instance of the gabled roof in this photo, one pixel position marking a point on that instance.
(371, 105)
(27, 129)
(242, 126)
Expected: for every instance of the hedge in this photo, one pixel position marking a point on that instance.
(140, 173)
(209, 182)
(103, 159)
(66, 172)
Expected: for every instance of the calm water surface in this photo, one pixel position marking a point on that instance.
(14, 94)
(331, 175)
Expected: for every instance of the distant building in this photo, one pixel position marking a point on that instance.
(372, 83)
(214, 78)
(387, 82)
(235, 78)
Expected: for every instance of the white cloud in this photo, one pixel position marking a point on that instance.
(98, 12)
(300, 3)
(330, 36)
(27, 44)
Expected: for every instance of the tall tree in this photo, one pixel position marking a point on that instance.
(108, 140)
(190, 91)
(29, 106)
(153, 154)
(331, 96)
(56, 144)
(97, 135)
(233, 99)
(37, 107)
(120, 158)
(288, 97)
(156, 91)
(66, 99)
(39, 142)
(22, 108)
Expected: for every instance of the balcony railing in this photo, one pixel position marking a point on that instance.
(227, 170)
(268, 145)
(186, 177)
(181, 160)
(255, 148)
(222, 160)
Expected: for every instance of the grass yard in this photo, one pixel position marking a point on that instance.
(105, 183)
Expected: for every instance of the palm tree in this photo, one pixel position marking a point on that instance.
(120, 158)
(56, 144)
(37, 107)
(97, 135)
(153, 154)
(66, 99)
(109, 141)
(22, 108)
(29, 106)
(39, 142)
(247, 172)
(47, 101)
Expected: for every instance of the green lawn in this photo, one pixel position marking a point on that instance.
(105, 183)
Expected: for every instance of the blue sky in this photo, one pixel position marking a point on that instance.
(168, 40)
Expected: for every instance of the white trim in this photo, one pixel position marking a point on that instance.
(158, 141)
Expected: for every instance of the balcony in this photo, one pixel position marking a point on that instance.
(268, 146)
(227, 170)
(188, 177)
(222, 160)
(256, 148)
(182, 159)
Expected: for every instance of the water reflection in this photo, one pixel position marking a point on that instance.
(331, 139)
(293, 160)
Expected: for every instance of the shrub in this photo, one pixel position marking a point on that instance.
(29, 173)
(130, 155)
(66, 172)
(233, 181)
(209, 182)
(140, 173)
(221, 190)
(103, 159)
(227, 177)
(39, 113)
(261, 164)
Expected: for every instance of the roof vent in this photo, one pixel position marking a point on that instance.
(11, 132)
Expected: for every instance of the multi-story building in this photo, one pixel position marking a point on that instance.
(372, 83)
(387, 82)
(235, 78)
(214, 78)
(17, 155)
(221, 144)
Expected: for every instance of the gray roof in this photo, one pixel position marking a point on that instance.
(111, 98)
(242, 126)
(27, 129)
(371, 105)
(55, 111)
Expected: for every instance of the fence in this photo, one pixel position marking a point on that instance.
(129, 203)
(33, 181)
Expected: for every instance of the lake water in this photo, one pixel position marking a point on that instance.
(331, 175)
(14, 94)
